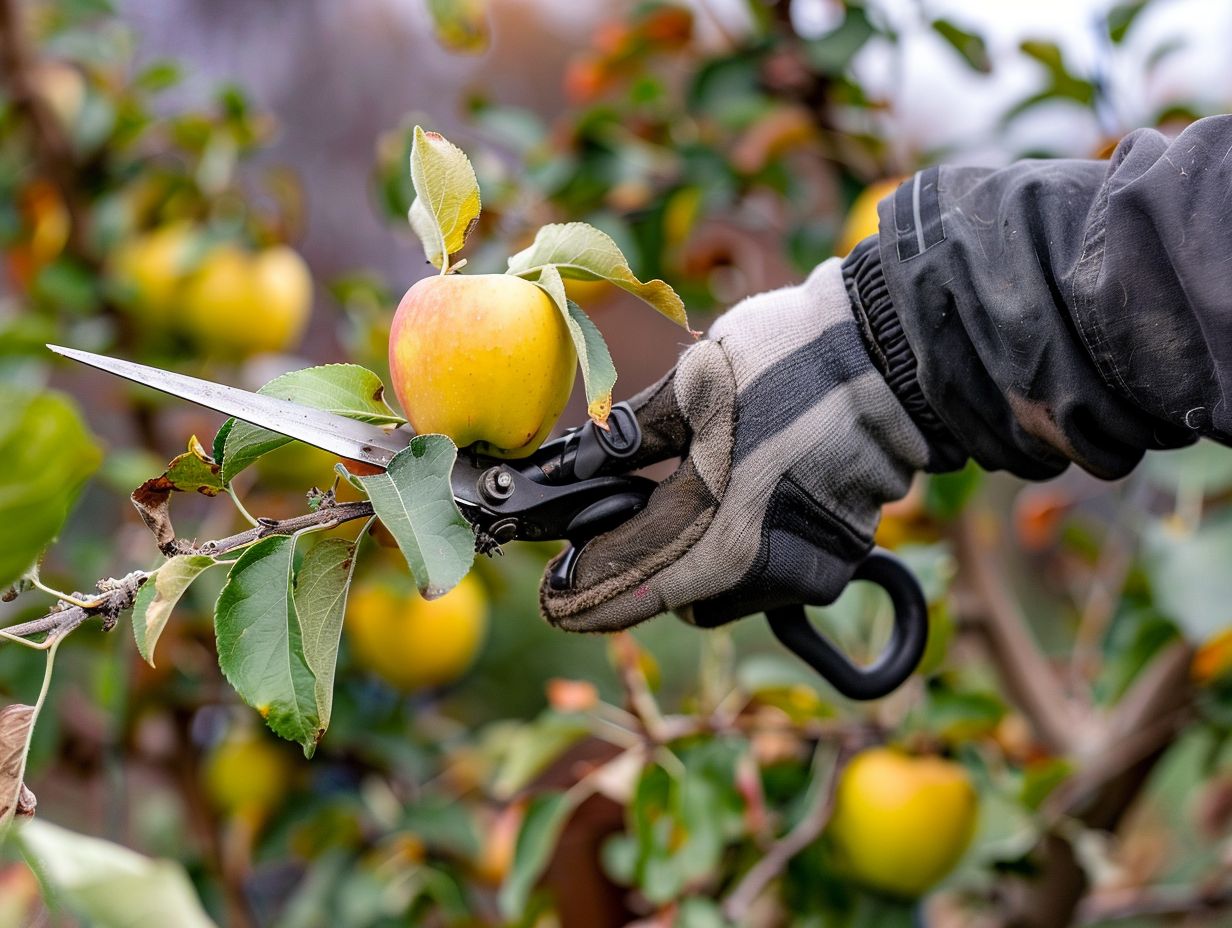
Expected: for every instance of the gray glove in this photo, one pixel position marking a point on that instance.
(791, 440)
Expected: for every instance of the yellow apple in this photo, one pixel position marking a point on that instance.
(862, 221)
(247, 775)
(148, 270)
(241, 304)
(901, 823)
(413, 643)
(485, 359)
(589, 292)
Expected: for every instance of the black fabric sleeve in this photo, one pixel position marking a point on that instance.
(1058, 311)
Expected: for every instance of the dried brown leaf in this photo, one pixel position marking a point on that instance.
(15, 724)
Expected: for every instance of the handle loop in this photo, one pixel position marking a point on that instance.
(902, 654)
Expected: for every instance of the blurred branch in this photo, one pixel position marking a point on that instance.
(51, 145)
(1111, 572)
(1027, 674)
(625, 651)
(1145, 721)
(115, 596)
(1118, 764)
(741, 899)
(1163, 902)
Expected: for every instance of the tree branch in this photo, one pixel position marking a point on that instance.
(741, 899)
(1162, 902)
(115, 596)
(1028, 675)
(1141, 727)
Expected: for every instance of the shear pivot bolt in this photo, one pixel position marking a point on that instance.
(496, 484)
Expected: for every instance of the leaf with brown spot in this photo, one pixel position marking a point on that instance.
(194, 471)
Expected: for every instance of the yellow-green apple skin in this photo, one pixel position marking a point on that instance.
(485, 359)
(901, 823)
(149, 269)
(242, 304)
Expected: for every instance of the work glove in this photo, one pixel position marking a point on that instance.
(790, 440)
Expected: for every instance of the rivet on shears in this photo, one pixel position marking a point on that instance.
(496, 484)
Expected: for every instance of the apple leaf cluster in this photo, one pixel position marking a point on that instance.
(278, 618)
(446, 209)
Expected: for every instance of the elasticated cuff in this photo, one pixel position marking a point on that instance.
(891, 352)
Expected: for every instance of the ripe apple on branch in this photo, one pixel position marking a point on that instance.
(490, 360)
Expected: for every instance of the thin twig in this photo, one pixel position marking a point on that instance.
(641, 700)
(741, 899)
(326, 517)
(117, 596)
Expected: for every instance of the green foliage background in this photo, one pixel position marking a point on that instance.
(507, 797)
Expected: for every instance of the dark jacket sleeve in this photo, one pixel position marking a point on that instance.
(1058, 311)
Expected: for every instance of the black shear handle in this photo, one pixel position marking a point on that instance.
(901, 656)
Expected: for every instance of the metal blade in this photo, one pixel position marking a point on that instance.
(330, 431)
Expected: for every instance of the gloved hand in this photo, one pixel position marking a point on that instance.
(790, 441)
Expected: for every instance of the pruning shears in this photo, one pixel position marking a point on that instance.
(572, 490)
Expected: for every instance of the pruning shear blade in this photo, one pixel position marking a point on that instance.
(337, 434)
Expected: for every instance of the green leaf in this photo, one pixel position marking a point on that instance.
(415, 501)
(108, 884)
(194, 471)
(1062, 84)
(533, 747)
(699, 912)
(461, 25)
(1041, 778)
(446, 205)
(1189, 573)
(834, 51)
(946, 494)
(159, 75)
(582, 252)
(1121, 18)
(702, 848)
(260, 642)
(969, 45)
(159, 596)
(345, 389)
(319, 597)
(598, 371)
(1202, 469)
(963, 715)
(218, 448)
(47, 454)
(545, 817)
(1137, 635)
